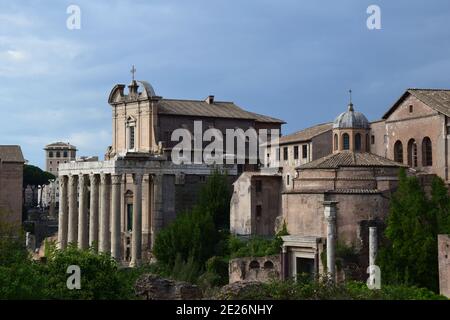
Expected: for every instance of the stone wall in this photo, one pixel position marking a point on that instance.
(11, 174)
(260, 269)
(444, 264)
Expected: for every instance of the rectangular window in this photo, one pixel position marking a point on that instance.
(258, 185)
(285, 153)
(296, 152)
(304, 151)
(372, 139)
(131, 137)
(129, 216)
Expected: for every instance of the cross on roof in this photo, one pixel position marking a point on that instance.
(133, 71)
(350, 92)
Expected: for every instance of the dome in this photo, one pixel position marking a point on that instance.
(351, 119)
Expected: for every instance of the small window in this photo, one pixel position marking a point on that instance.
(295, 152)
(258, 185)
(51, 170)
(58, 154)
(288, 179)
(372, 139)
(268, 264)
(50, 162)
(358, 142)
(254, 264)
(304, 151)
(50, 154)
(346, 141)
(411, 108)
(285, 153)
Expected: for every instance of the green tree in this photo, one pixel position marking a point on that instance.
(200, 233)
(410, 257)
(36, 177)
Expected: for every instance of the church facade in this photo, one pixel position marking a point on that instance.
(119, 204)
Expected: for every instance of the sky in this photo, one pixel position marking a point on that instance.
(290, 59)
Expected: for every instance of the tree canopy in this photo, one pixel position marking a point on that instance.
(414, 221)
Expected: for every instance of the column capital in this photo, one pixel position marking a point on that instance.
(73, 180)
(93, 178)
(104, 178)
(116, 178)
(157, 178)
(82, 179)
(137, 178)
(62, 181)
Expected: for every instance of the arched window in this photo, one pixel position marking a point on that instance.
(412, 153)
(358, 142)
(336, 146)
(254, 264)
(427, 154)
(346, 141)
(398, 151)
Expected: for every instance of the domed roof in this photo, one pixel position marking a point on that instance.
(351, 119)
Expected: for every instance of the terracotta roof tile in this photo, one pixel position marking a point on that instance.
(350, 159)
(306, 134)
(217, 109)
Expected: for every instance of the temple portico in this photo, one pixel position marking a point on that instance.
(118, 206)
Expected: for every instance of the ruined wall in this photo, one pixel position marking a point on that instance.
(261, 269)
(444, 264)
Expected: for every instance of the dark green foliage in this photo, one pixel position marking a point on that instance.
(256, 246)
(99, 275)
(413, 223)
(196, 235)
(321, 290)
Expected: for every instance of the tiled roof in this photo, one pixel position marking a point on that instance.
(306, 134)
(11, 154)
(350, 159)
(438, 99)
(217, 109)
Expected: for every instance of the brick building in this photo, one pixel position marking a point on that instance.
(11, 180)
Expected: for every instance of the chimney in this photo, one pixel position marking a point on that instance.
(210, 100)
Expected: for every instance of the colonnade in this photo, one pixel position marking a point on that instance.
(90, 213)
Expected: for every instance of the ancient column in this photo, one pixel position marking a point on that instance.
(104, 237)
(93, 212)
(82, 213)
(157, 214)
(63, 213)
(136, 236)
(330, 216)
(116, 180)
(73, 212)
(373, 245)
